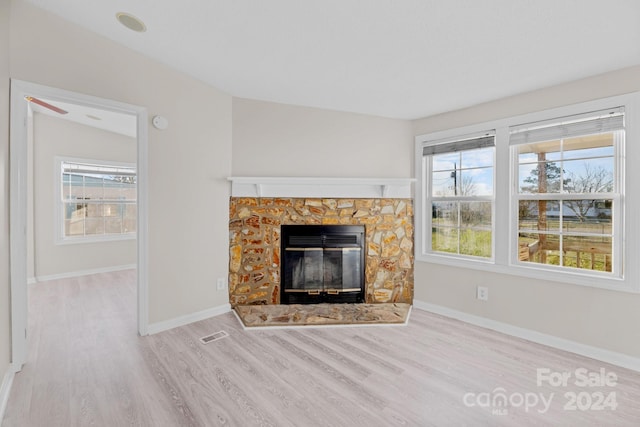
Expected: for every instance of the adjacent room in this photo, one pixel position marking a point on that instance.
(330, 213)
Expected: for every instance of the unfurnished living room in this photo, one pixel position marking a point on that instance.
(329, 213)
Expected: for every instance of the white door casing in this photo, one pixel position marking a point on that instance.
(18, 203)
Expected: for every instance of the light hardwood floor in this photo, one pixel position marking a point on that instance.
(87, 367)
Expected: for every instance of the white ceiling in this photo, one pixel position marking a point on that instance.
(393, 58)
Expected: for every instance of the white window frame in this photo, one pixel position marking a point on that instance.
(60, 237)
(505, 261)
(617, 217)
(429, 198)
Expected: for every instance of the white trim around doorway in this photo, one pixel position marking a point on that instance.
(18, 203)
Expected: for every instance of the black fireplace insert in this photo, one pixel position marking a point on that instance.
(322, 263)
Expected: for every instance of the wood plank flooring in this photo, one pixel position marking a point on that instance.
(87, 367)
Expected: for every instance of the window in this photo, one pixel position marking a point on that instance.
(568, 190)
(96, 200)
(459, 185)
(547, 195)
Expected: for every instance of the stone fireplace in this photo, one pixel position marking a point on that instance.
(255, 243)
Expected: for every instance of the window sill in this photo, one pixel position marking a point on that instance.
(533, 272)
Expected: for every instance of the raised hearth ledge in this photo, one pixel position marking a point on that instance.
(305, 187)
(283, 316)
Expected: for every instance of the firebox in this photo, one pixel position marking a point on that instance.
(322, 263)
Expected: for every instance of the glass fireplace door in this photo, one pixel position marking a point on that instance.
(329, 270)
(322, 263)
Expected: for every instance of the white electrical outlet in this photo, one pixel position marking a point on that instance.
(482, 293)
(221, 284)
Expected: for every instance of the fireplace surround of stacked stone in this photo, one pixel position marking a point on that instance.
(255, 243)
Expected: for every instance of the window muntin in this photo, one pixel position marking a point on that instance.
(460, 192)
(97, 200)
(620, 204)
(568, 194)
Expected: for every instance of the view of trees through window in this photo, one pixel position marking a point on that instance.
(542, 194)
(98, 200)
(565, 191)
(462, 202)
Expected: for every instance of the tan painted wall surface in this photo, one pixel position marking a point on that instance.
(5, 313)
(275, 140)
(595, 317)
(56, 137)
(188, 162)
(272, 139)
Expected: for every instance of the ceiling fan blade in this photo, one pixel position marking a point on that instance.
(45, 104)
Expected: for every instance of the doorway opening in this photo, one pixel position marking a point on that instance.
(27, 98)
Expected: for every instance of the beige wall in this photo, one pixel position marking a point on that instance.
(57, 137)
(188, 162)
(596, 317)
(272, 139)
(5, 313)
(601, 86)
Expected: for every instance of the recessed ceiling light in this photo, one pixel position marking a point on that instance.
(131, 22)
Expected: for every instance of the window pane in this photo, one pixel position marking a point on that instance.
(526, 156)
(75, 211)
(94, 226)
(540, 151)
(539, 248)
(475, 242)
(112, 210)
(130, 211)
(113, 189)
(482, 157)
(129, 191)
(476, 182)
(93, 188)
(94, 210)
(589, 176)
(444, 239)
(525, 183)
(113, 225)
(74, 227)
(591, 253)
(446, 161)
(76, 187)
(465, 180)
(589, 146)
(66, 186)
(445, 214)
(587, 216)
(444, 183)
(541, 215)
(130, 218)
(475, 214)
(543, 177)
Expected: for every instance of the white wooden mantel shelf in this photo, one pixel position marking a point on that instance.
(242, 186)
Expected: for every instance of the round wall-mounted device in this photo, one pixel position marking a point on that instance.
(160, 122)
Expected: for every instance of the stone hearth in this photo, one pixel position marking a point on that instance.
(323, 314)
(254, 243)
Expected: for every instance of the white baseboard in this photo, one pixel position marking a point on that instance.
(612, 357)
(154, 328)
(82, 273)
(5, 388)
